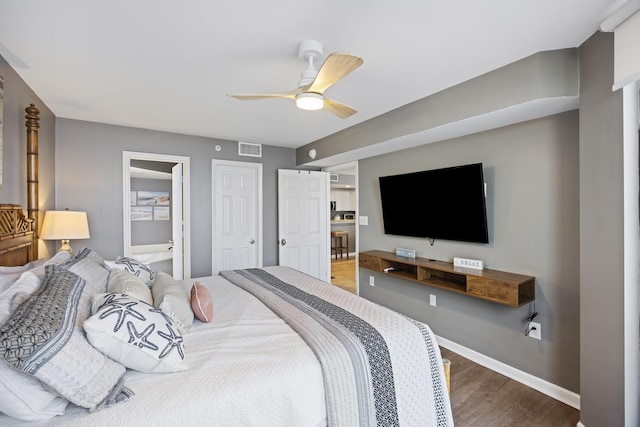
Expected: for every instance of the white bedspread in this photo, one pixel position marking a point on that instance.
(246, 368)
(380, 367)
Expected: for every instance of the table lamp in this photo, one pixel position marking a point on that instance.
(65, 225)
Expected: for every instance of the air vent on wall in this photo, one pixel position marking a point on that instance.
(249, 149)
(333, 177)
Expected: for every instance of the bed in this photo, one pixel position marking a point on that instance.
(281, 349)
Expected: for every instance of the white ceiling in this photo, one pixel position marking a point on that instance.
(168, 65)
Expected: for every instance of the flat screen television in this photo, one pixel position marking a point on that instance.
(446, 204)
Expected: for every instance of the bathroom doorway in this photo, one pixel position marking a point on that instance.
(156, 211)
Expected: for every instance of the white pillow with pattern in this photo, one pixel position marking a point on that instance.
(136, 334)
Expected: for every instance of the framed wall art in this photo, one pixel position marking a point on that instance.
(152, 198)
(141, 213)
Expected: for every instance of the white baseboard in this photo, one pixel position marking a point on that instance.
(580, 424)
(563, 395)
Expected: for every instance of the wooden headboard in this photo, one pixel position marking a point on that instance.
(17, 239)
(18, 234)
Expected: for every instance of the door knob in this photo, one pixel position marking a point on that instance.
(283, 242)
(252, 241)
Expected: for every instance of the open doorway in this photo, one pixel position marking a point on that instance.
(156, 211)
(343, 211)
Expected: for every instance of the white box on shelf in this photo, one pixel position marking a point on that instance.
(407, 253)
(468, 263)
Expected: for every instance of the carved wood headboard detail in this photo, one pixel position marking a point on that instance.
(18, 234)
(17, 240)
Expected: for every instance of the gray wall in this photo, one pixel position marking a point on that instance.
(545, 76)
(18, 96)
(601, 238)
(89, 177)
(531, 170)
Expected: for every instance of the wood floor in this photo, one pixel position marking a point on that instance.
(343, 273)
(481, 397)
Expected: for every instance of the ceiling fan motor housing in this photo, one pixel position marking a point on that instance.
(309, 47)
(309, 50)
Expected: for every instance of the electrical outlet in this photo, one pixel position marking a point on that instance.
(535, 330)
(371, 281)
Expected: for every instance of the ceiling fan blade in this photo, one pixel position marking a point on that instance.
(253, 96)
(338, 109)
(335, 67)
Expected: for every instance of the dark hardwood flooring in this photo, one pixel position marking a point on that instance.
(481, 397)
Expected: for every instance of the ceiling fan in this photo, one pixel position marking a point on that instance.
(310, 92)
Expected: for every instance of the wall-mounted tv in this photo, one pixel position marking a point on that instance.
(446, 204)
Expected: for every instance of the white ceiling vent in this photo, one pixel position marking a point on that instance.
(249, 149)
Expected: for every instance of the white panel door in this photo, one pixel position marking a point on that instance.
(303, 221)
(237, 215)
(177, 227)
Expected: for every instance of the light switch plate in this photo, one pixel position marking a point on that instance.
(468, 263)
(363, 220)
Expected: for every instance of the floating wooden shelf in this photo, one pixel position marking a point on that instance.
(497, 286)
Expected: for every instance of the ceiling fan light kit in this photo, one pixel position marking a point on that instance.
(310, 92)
(309, 101)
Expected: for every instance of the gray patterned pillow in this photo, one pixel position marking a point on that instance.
(89, 265)
(43, 338)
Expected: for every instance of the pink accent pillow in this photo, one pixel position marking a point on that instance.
(201, 302)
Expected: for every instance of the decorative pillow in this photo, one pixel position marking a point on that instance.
(58, 354)
(169, 297)
(123, 282)
(135, 334)
(201, 302)
(7, 279)
(89, 265)
(23, 397)
(22, 268)
(135, 267)
(59, 258)
(20, 291)
(9, 275)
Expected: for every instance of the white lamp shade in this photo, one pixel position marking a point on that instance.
(65, 225)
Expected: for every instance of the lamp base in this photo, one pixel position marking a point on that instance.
(65, 246)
